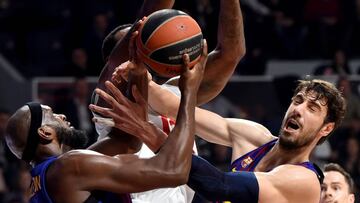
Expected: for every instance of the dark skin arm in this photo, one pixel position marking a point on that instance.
(84, 170)
(120, 54)
(230, 48)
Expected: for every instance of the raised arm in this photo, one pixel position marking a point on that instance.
(286, 183)
(228, 52)
(171, 166)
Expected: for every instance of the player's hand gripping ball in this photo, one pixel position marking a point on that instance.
(164, 37)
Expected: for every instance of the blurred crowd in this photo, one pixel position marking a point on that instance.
(64, 38)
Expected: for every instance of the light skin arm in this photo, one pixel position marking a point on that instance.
(288, 183)
(284, 184)
(242, 135)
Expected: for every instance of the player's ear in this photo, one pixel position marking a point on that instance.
(327, 129)
(46, 133)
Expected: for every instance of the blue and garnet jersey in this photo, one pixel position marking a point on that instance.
(39, 193)
(250, 160)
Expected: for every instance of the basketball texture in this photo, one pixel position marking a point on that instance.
(164, 37)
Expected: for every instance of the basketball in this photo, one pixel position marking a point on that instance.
(164, 37)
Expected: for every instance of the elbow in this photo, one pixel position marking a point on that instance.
(177, 174)
(238, 52)
(232, 54)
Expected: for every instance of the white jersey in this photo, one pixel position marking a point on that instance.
(180, 194)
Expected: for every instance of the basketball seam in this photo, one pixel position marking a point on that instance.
(167, 45)
(159, 26)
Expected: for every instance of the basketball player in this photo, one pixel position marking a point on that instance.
(222, 62)
(267, 168)
(338, 185)
(37, 135)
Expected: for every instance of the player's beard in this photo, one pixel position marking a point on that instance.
(75, 139)
(291, 142)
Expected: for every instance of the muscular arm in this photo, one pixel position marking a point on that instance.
(128, 173)
(286, 183)
(88, 171)
(229, 50)
(242, 135)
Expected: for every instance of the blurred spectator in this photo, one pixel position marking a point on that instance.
(351, 124)
(326, 23)
(339, 65)
(322, 154)
(352, 115)
(93, 42)
(254, 63)
(4, 116)
(79, 63)
(288, 25)
(350, 157)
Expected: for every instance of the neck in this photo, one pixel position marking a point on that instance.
(279, 155)
(42, 153)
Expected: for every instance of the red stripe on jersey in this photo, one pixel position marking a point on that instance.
(165, 124)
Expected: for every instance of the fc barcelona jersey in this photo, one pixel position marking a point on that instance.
(40, 195)
(250, 160)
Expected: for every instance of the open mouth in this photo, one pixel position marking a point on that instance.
(292, 125)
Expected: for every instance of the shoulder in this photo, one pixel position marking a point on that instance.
(290, 183)
(243, 130)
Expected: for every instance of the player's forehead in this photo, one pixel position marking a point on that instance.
(332, 177)
(46, 108)
(313, 96)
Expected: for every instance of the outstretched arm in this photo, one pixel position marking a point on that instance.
(286, 183)
(240, 134)
(170, 167)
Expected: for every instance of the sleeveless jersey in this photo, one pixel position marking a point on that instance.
(249, 161)
(39, 193)
(180, 194)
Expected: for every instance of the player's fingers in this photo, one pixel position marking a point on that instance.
(132, 46)
(105, 112)
(186, 62)
(119, 97)
(106, 97)
(137, 96)
(204, 53)
(104, 121)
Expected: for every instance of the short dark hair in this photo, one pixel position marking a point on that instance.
(336, 167)
(110, 41)
(335, 101)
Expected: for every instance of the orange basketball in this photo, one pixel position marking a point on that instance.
(165, 36)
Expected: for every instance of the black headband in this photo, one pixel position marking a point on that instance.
(33, 137)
